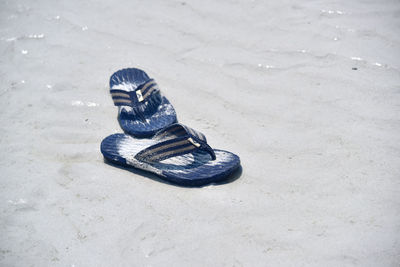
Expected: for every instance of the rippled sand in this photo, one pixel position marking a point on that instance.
(307, 93)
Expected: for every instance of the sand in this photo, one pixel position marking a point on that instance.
(307, 93)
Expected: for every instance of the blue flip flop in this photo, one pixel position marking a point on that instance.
(142, 110)
(177, 154)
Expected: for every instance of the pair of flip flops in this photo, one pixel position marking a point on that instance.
(154, 141)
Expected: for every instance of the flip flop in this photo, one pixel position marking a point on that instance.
(177, 154)
(142, 110)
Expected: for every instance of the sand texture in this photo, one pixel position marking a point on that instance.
(307, 93)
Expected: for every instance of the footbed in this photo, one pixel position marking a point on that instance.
(147, 117)
(192, 167)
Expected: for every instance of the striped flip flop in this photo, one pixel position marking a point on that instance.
(142, 110)
(177, 154)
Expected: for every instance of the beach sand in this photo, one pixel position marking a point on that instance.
(307, 93)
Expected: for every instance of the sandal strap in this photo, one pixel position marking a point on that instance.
(177, 130)
(179, 143)
(132, 98)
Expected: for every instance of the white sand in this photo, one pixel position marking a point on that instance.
(272, 82)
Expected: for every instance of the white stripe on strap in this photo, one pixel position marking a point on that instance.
(154, 150)
(120, 94)
(117, 101)
(159, 156)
